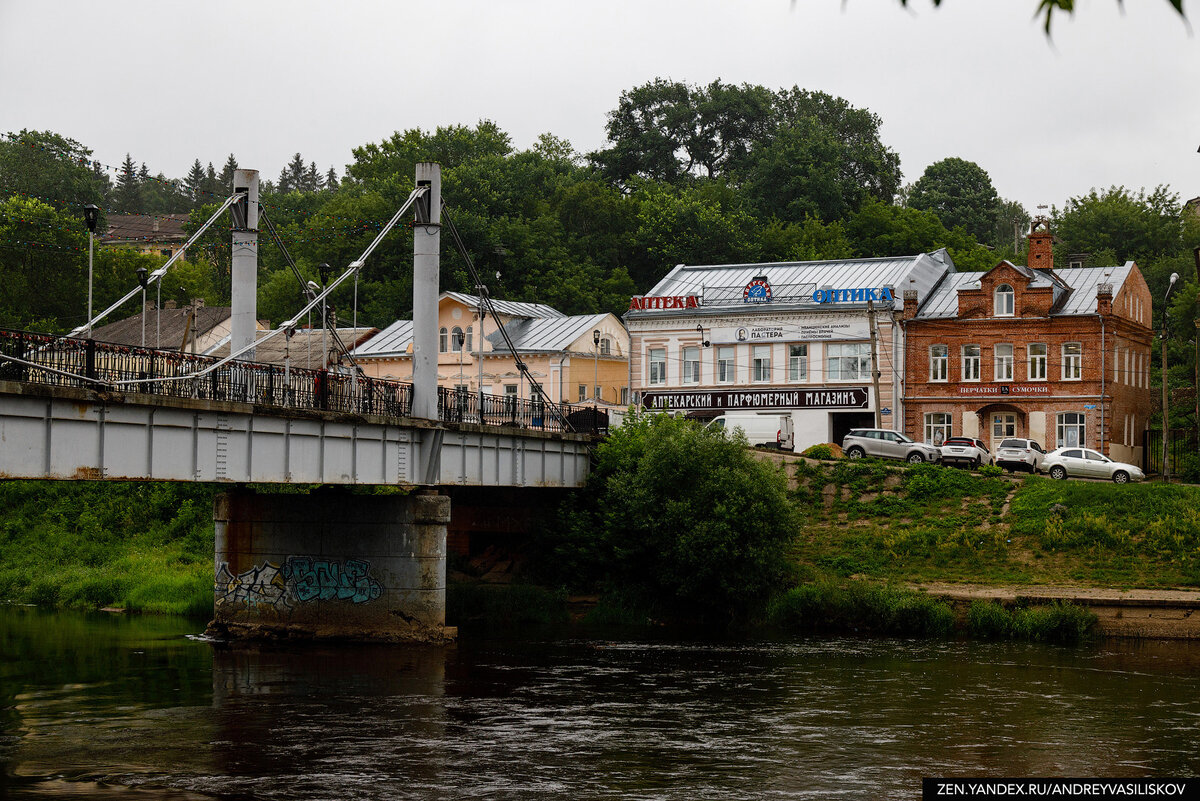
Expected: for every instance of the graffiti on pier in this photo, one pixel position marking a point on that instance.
(300, 580)
(261, 585)
(327, 580)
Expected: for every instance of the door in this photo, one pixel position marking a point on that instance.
(891, 445)
(1093, 465)
(1003, 425)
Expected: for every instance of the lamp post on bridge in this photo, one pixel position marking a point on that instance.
(91, 215)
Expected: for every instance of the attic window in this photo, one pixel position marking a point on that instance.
(1005, 301)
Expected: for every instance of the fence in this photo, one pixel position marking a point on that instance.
(1180, 446)
(58, 361)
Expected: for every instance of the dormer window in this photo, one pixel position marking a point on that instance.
(1005, 301)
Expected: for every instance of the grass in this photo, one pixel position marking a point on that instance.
(929, 523)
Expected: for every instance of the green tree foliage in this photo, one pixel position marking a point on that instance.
(878, 229)
(960, 193)
(43, 258)
(681, 519)
(53, 168)
(127, 196)
(1134, 226)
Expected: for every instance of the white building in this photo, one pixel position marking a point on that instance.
(789, 337)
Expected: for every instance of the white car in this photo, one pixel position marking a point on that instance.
(1085, 463)
(887, 444)
(1015, 453)
(965, 450)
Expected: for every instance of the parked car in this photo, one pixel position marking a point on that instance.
(966, 450)
(1019, 454)
(761, 430)
(1086, 463)
(887, 444)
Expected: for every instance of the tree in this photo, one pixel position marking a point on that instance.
(43, 258)
(128, 194)
(960, 193)
(1047, 8)
(54, 168)
(193, 182)
(395, 158)
(878, 229)
(227, 172)
(1135, 227)
(1012, 222)
(331, 179)
(798, 175)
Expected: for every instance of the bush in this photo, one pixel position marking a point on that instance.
(991, 470)
(679, 518)
(860, 606)
(818, 452)
(1057, 622)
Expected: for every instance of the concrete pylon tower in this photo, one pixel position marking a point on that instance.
(244, 320)
(427, 239)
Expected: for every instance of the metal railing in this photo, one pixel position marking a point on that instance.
(57, 361)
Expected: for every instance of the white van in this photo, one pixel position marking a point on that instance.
(763, 430)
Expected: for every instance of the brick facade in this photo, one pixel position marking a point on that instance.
(1064, 357)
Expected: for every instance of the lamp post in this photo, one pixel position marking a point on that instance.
(141, 279)
(91, 216)
(596, 362)
(1166, 426)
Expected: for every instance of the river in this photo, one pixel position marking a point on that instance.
(94, 705)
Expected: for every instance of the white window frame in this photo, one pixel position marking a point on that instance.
(1072, 363)
(691, 364)
(971, 363)
(583, 392)
(656, 363)
(443, 340)
(1037, 362)
(938, 423)
(1064, 427)
(856, 356)
(999, 361)
(726, 364)
(760, 364)
(1004, 301)
(939, 363)
(798, 362)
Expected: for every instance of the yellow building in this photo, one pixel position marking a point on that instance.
(574, 358)
(152, 234)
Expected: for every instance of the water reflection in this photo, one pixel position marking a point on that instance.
(136, 703)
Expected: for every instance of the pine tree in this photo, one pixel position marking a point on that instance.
(331, 179)
(194, 183)
(128, 196)
(212, 184)
(312, 178)
(227, 173)
(295, 174)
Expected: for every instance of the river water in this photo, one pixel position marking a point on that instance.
(92, 706)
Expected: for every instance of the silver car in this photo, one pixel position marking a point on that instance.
(1015, 453)
(1086, 463)
(887, 444)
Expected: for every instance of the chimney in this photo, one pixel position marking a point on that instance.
(1104, 297)
(909, 308)
(1041, 245)
(170, 304)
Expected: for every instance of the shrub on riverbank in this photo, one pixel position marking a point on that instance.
(678, 518)
(1058, 622)
(84, 545)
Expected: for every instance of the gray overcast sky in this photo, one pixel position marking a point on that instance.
(1113, 98)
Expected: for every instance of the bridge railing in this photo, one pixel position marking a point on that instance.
(59, 361)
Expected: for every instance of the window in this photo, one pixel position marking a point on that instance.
(797, 362)
(939, 363)
(1004, 425)
(658, 366)
(1070, 429)
(443, 341)
(937, 427)
(726, 364)
(691, 365)
(582, 392)
(597, 395)
(848, 362)
(1005, 301)
(624, 396)
(510, 390)
(1003, 363)
(457, 339)
(605, 346)
(762, 363)
(1072, 361)
(470, 337)
(970, 363)
(1037, 361)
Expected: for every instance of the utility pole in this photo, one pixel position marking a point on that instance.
(243, 324)
(874, 362)
(91, 214)
(1166, 424)
(481, 314)
(427, 237)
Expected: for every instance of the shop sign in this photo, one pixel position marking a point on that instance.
(641, 302)
(757, 291)
(807, 328)
(739, 399)
(859, 295)
(1003, 389)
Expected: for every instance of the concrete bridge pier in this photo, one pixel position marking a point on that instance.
(330, 564)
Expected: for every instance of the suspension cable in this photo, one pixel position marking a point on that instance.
(487, 299)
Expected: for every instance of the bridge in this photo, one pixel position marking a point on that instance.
(323, 564)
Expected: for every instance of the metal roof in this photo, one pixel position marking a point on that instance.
(549, 334)
(509, 308)
(391, 341)
(306, 348)
(1078, 284)
(793, 283)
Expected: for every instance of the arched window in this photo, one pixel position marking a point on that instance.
(1005, 301)
(470, 338)
(456, 339)
(443, 343)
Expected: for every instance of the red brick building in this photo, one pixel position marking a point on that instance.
(1059, 356)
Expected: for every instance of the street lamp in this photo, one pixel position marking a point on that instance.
(596, 362)
(1166, 424)
(91, 215)
(142, 282)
